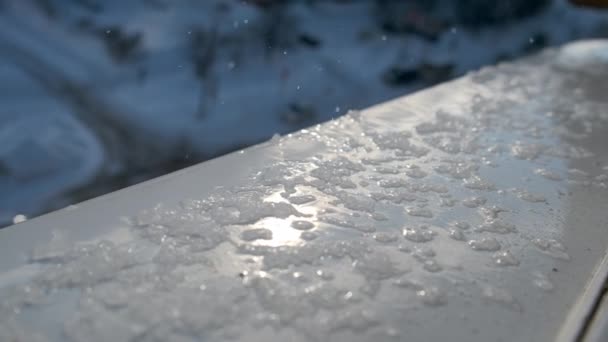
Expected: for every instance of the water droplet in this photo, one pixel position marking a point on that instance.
(528, 196)
(456, 234)
(552, 247)
(548, 174)
(379, 217)
(474, 202)
(432, 296)
(415, 173)
(432, 266)
(421, 234)
(457, 170)
(404, 248)
(527, 151)
(19, 218)
(498, 226)
(500, 296)
(302, 225)
(462, 225)
(325, 275)
(419, 212)
(298, 276)
(385, 237)
(505, 258)
(256, 234)
(542, 282)
(448, 202)
(476, 183)
(308, 236)
(484, 244)
(577, 174)
(301, 199)
(423, 253)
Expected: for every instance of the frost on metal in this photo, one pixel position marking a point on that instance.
(406, 221)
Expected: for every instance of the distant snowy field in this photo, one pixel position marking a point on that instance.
(97, 95)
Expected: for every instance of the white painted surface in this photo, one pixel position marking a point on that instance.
(472, 211)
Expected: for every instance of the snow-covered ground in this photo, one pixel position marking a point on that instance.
(96, 95)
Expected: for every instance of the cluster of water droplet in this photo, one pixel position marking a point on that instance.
(402, 213)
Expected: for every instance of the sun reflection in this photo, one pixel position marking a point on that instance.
(283, 234)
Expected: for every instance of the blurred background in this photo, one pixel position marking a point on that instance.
(96, 95)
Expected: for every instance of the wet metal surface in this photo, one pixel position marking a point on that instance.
(472, 211)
